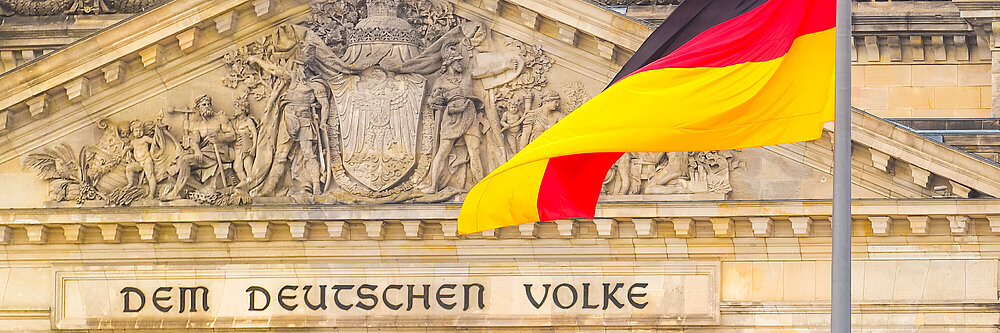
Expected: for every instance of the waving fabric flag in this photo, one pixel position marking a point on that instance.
(717, 75)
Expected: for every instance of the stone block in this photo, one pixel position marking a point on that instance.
(224, 231)
(723, 226)
(72, 232)
(567, 228)
(375, 229)
(114, 72)
(994, 223)
(450, 229)
(263, 8)
(185, 231)
(957, 97)
(299, 229)
(870, 98)
(911, 98)
(188, 39)
(881, 225)
(110, 232)
(528, 230)
(959, 224)
(225, 23)
(801, 225)
(606, 228)
(148, 231)
(151, 56)
(683, 227)
(336, 229)
(887, 76)
(920, 176)
(645, 228)
(260, 230)
(413, 229)
(973, 75)
(762, 226)
(37, 233)
(918, 224)
(858, 76)
(934, 75)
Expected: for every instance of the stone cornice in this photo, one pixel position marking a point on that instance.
(904, 144)
(726, 219)
(123, 40)
(592, 19)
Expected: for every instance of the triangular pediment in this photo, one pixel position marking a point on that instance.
(393, 104)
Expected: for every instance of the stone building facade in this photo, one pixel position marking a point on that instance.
(293, 165)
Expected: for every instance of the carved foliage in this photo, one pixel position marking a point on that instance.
(79, 7)
(338, 111)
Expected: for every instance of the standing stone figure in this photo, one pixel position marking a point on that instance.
(209, 140)
(142, 146)
(246, 141)
(457, 107)
(511, 122)
(306, 128)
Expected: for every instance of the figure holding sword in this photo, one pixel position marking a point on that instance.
(306, 113)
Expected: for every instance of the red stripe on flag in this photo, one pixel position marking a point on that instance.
(571, 185)
(762, 34)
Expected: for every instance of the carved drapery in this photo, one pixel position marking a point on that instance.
(384, 101)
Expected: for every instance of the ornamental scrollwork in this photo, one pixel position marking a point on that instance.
(366, 102)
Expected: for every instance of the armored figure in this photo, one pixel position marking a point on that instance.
(306, 124)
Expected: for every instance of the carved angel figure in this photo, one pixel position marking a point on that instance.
(146, 148)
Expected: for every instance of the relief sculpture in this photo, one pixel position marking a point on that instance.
(374, 101)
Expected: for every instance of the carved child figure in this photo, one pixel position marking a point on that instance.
(141, 147)
(246, 141)
(511, 121)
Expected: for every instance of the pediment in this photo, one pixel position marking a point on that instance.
(371, 106)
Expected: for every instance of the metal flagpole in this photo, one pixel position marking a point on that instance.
(840, 314)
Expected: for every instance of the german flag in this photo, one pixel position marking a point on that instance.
(716, 75)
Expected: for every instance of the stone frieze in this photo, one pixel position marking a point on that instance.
(382, 102)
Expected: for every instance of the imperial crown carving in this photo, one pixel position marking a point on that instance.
(381, 101)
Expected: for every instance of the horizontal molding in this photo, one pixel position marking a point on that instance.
(616, 220)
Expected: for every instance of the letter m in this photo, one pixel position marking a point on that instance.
(194, 298)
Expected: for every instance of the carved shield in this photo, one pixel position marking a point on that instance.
(379, 116)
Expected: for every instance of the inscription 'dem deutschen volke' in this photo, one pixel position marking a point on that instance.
(396, 297)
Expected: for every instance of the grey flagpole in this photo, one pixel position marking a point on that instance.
(840, 307)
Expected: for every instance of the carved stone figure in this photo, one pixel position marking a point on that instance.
(246, 141)
(453, 100)
(208, 143)
(511, 122)
(89, 7)
(670, 177)
(671, 173)
(145, 148)
(74, 7)
(376, 101)
(539, 116)
(305, 124)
